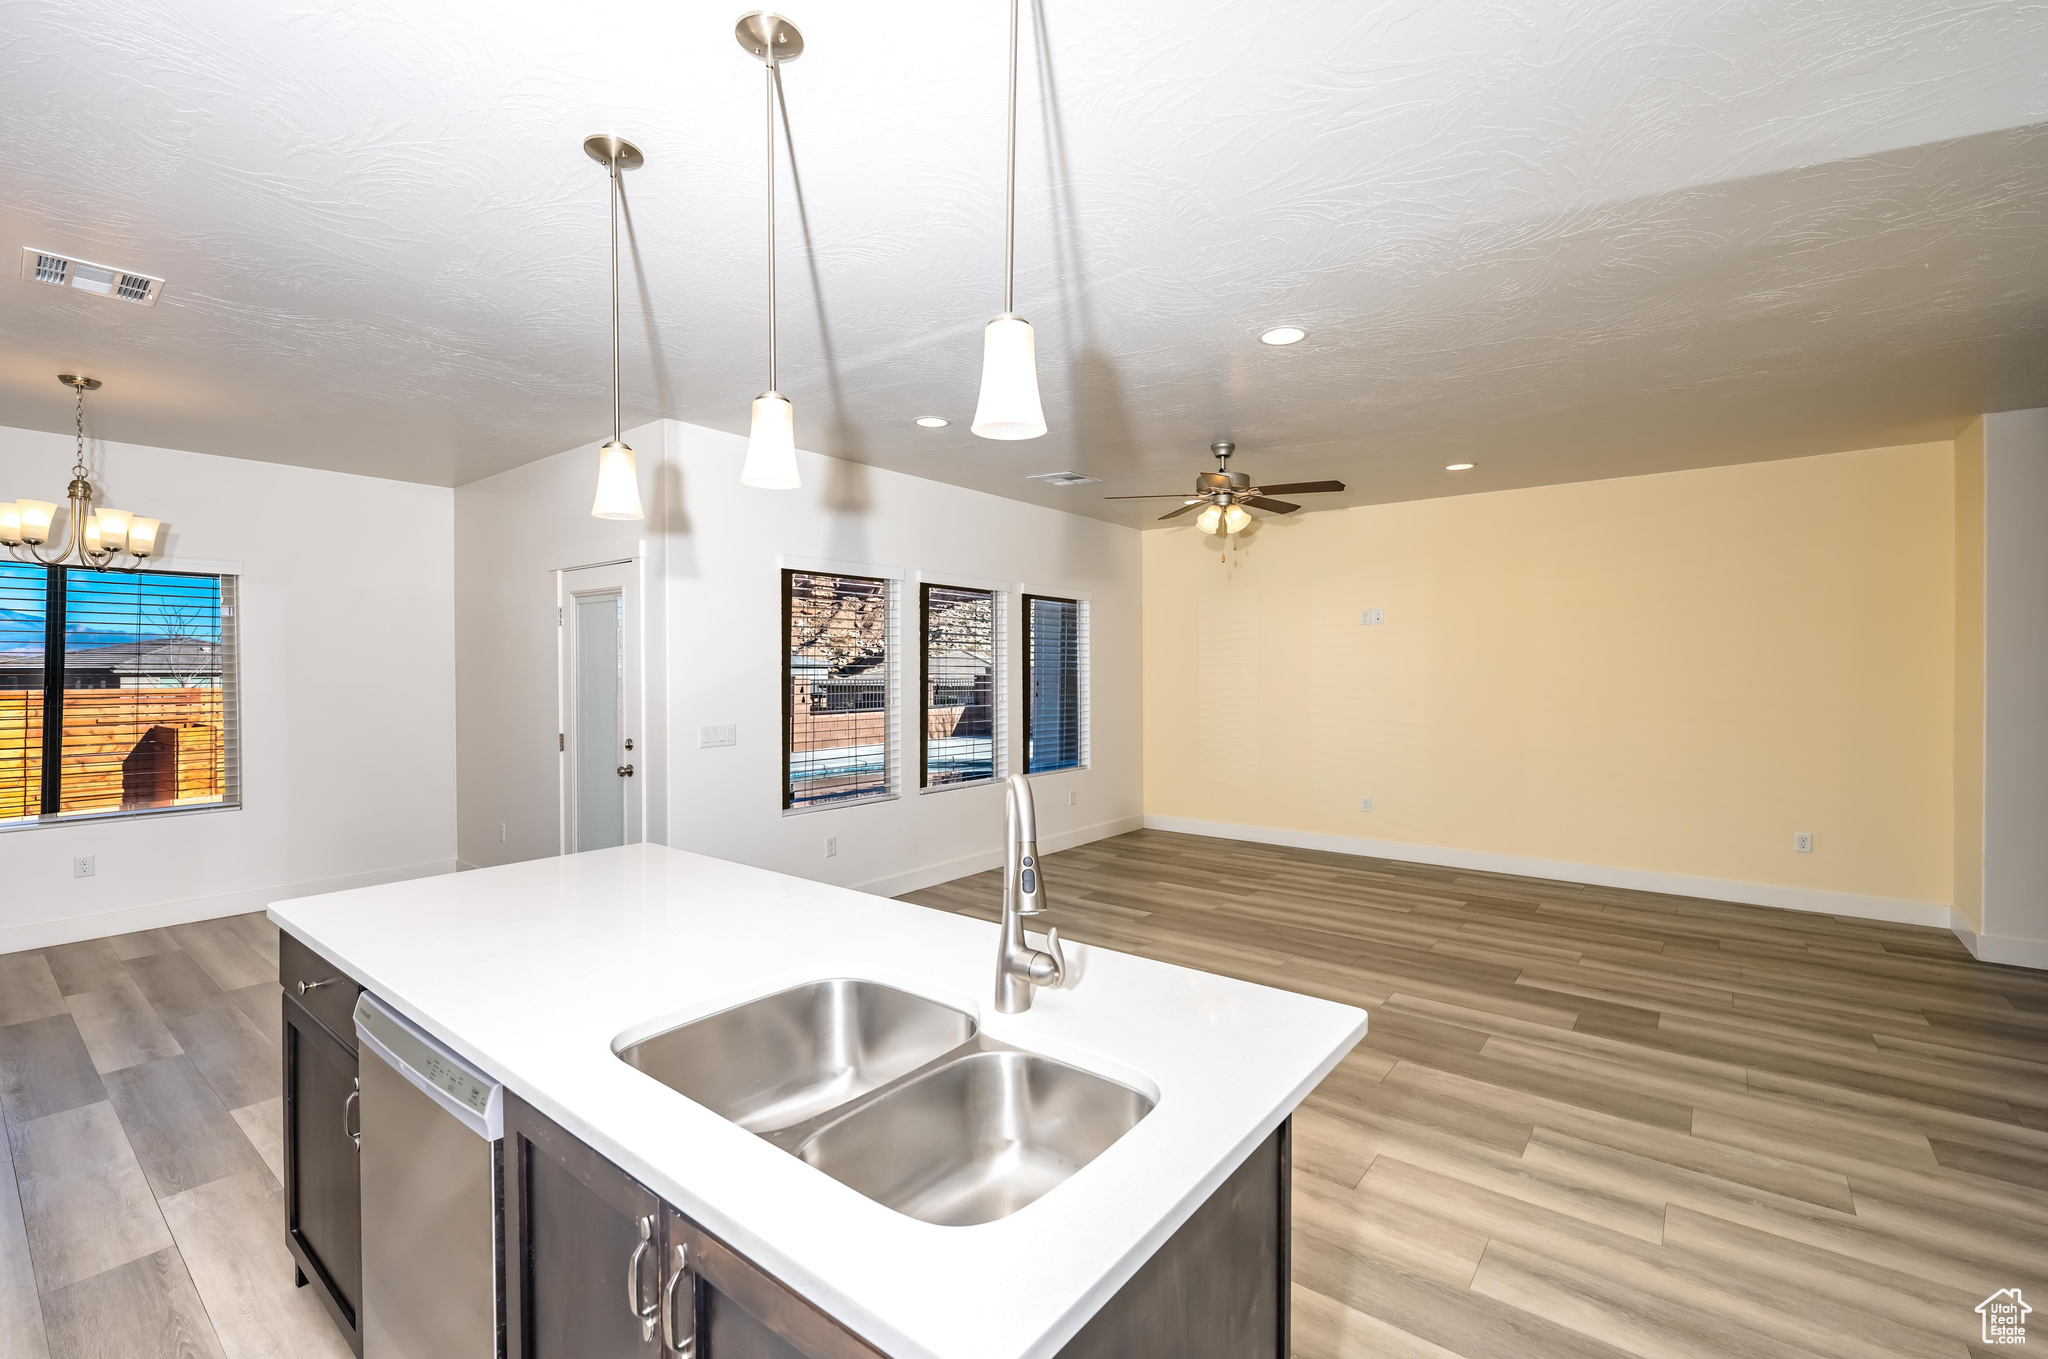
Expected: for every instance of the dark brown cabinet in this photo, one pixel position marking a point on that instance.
(598, 1267)
(322, 1177)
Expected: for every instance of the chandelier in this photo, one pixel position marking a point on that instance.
(93, 537)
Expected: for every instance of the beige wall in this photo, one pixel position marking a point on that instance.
(1670, 673)
(1969, 683)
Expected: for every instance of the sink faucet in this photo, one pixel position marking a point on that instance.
(1018, 966)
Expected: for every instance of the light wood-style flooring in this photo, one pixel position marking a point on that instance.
(1597, 1123)
(141, 1215)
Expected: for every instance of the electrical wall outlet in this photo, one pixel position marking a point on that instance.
(1365, 804)
(831, 846)
(1802, 842)
(1371, 618)
(718, 734)
(82, 865)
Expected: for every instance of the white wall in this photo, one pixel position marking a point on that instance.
(347, 677)
(712, 550)
(2015, 688)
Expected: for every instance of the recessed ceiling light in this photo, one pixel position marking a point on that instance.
(1284, 335)
(1459, 466)
(932, 421)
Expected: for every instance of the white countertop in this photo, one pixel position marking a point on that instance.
(533, 970)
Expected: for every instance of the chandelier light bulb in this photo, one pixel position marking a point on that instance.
(1236, 519)
(92, 538)
(1009, 407)
(618, 484)
(771, 446)
(1209, 518)
(113, 528)
(10, 524)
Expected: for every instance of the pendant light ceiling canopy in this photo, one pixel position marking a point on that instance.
(771, 440)
(1009, 407)
(618, 479)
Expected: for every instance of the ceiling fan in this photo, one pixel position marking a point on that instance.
(1222, 495)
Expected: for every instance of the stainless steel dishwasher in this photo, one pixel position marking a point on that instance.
(432, 1140)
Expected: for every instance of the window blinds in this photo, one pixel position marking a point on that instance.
(23, 624)
(961, 735)
(140, 713)
(838, 687)
(1055, 689)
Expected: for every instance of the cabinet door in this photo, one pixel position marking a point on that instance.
(742, 1312)
(585, 1260)
(322, 1179)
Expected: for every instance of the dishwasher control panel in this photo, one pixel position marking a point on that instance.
(428, 1065)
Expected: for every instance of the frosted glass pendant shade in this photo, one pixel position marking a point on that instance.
(1209, 518)
(35, 520)
(92, 538)
(10, 523)
(618, 484)
(113, 528)
(771, 445)
(142, 536)
(1236, 518)
(1009, 407)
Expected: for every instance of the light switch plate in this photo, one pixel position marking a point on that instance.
(718, 734)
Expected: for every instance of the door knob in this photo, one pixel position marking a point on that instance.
(625, 771)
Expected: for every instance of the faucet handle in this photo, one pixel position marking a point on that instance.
(1050, 968)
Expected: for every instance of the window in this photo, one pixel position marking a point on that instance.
(117, 692)
(959, 683)
(836, 688)
(1055, 684)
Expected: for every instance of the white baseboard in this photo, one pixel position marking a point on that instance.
(1896, 910)
(2003, 948)
(74, 929)
(896, 884)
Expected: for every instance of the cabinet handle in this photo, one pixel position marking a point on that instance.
(306, 986)
(625, 771)
(687, 1345)
(643, 1315)
(348, 1106)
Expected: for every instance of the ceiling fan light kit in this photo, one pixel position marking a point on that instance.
(1009, 407)
(771, 438)
(618, 478)
(93, 537)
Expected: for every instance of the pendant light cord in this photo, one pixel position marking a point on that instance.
(773, 82)
(1010, 181)
(617, 189)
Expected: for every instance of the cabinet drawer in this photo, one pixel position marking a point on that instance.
(324, 989)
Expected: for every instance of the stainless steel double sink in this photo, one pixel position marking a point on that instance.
(894, 1095)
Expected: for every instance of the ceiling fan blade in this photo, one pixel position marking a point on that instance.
(1259, 502)
(1173, 495)
(1302, 487)
(1175, 514)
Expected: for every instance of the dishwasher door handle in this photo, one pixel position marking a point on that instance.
(643, 1315)
(349, 1106)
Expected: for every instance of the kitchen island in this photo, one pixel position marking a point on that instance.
(539, 974)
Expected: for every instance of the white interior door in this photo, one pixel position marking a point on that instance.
(604, 760)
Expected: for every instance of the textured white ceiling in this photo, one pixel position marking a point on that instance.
(1567, 240)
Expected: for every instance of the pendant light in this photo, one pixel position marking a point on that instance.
(92, 537)
(771, 440)
(1009, 406)
(618, 480)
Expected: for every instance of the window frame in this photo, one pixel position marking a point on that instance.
(55, 620)
(999, 605)
(1082, 742)
(891, 582)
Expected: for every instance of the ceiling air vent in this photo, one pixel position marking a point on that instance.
(1062, 478)
(104, 280)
